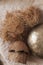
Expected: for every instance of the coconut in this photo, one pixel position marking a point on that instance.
(18, 52)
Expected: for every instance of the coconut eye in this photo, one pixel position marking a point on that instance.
(35, 41)
(12, 51)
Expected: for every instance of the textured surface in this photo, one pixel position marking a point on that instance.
(8, 5)
(35, 41)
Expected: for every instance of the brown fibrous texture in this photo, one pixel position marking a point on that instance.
(18, 21)
(31, 16)
(13, 26)
(17, 27)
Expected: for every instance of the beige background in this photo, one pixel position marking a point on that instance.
(9, 5)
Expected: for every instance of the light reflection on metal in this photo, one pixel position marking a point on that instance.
(33, 37)
(35, 40)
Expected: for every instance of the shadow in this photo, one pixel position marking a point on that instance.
(1, 63)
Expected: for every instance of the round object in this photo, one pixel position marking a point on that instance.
(35, 41)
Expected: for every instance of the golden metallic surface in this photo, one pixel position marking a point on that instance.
(35, 40)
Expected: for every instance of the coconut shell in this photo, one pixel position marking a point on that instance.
(13, 26)
(18, 46)
(17, 57)
(18, 52)
(31, 16)
(18, 21)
